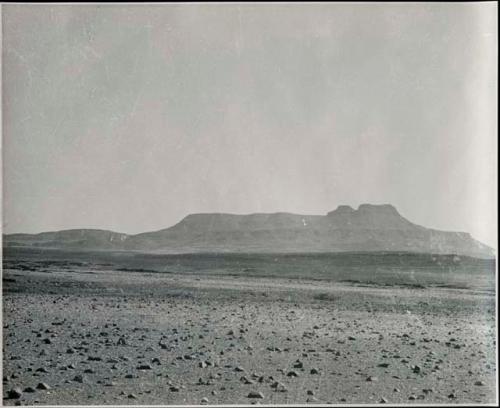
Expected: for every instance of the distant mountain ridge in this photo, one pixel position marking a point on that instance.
(369, 228)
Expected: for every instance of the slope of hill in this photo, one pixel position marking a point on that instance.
(68, 239)
(369, 228)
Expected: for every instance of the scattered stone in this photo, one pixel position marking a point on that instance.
(78, 378)
(144, 367)
(255, 394)
(43, 386)
(246, 380)
(14, 393)
(371, 379)
(29, 389)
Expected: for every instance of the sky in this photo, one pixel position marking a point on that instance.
(130, 117)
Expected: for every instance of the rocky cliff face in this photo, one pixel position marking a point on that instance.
(369, 228)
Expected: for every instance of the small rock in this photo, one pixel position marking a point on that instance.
(255, 394)
(42, 386)
(29, 389)
(132, 396)
(371, 379)
(479, 383)
(14, 393)
(144, 367)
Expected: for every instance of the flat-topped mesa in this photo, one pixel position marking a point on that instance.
(365, 229)
(223, 222)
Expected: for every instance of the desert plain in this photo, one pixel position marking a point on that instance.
(114, 328)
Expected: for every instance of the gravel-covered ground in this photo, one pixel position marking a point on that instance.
(82, 335)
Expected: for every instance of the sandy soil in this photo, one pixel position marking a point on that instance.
(104, 337)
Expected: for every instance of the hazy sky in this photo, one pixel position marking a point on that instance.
(129, 117)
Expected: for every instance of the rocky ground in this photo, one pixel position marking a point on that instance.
(84, 336)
